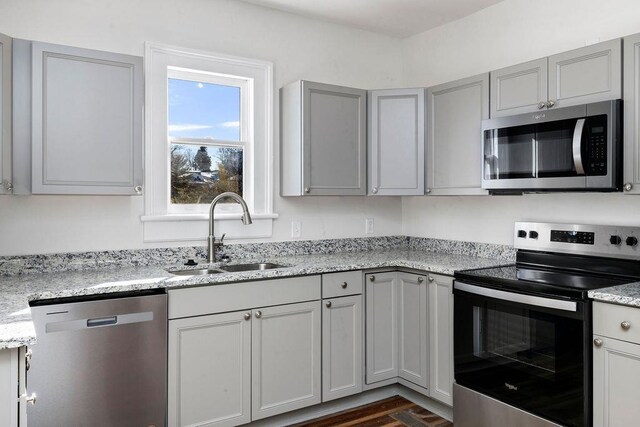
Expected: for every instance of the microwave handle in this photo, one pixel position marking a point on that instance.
(577, 146)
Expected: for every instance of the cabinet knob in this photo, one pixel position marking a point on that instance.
(597, 342)
(247, 316)
(427, 191)
(307, 189)
(628, 186)
(431, 279)
(550, 103)
(27, 359)
(328, 304)
(258, 314)
(30, 399)
(626, 325)
(420, 279)
(138, 189)
(8, 186)
(344, 285)
(374, 190)
(541, 105)
(372, 278)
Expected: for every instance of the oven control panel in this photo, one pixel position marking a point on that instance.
(599, 240)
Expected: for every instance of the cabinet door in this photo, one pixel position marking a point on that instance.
(616, 369)
(285, 358)
(519, 89)
(413, 335)
(5, 114)
(341, 347)
(86, 121)
(441, 338)
(334, 139)
(454, 136)
(396, 142)
(209, 370)
(381, 326)
(588, 74)
(632, 114)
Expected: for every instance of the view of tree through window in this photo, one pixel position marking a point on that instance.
(205, 141)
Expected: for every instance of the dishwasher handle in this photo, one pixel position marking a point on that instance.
(98, 322)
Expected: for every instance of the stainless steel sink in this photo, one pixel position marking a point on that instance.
(250, 267)
(198, 272)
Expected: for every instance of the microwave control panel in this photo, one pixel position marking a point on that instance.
(596, 155)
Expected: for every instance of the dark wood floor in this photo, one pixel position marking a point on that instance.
(391, 412)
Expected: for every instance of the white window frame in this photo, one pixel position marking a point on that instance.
(161, 223)
(246, 141)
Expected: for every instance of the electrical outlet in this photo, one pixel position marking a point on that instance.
(295, 228)
(368, 226)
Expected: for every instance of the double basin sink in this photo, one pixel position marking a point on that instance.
(227, 269)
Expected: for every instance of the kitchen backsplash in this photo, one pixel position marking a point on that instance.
(48, 263)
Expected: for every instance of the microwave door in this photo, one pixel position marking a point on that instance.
(559, 156)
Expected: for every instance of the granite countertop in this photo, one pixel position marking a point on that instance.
(628, 294)
(16, 326)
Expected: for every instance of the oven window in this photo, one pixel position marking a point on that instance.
(509, 153)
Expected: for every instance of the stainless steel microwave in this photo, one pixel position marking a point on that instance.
(575, 148)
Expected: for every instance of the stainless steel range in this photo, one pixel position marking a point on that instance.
(522, 333)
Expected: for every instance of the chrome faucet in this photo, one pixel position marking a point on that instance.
(246, 220)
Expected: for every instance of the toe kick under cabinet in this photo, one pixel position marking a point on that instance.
(244, 351)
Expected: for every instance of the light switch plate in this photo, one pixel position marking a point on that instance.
(369, 226)
(295, 228)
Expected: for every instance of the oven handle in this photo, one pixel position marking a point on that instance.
(577, 146)
(516, 297)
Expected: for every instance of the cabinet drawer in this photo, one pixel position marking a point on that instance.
(343, 283)
(608, 321)
(239, 296)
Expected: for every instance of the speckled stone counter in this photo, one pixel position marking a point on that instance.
(16, 327)
(628, 294)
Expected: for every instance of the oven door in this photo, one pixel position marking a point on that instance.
(524, 350)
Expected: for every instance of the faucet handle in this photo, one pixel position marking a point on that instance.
(222, 238)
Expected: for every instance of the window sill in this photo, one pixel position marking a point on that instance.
(195, 227)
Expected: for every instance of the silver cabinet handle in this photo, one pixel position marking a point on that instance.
(597, 342)
(420, 279)
(550, 103)
(27, 359)
(372, 278)
(374, 190)
(328, 304)
(344, 285)
(628, 186)
(427, 190)
(30, 399)
(138, 189)
(258, 314)
(247, 316)
(541, 105)
(626, 325)
(307, 189)
(431, 279)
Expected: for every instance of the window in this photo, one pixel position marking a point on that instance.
(208, 121)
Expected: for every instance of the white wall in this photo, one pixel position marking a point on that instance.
(300, 48)
(505, 34)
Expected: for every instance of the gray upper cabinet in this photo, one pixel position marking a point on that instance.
(519, 89)
(632, 114)
(86, 121)
(323, 140)
(5, 114)
(589, 74)
(396, 142)
(455, 112)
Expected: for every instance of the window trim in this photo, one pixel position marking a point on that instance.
(161, 225)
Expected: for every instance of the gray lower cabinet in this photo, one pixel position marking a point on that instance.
(381, 317)
(616, 365)
(12, 387)
(81, 114)
(413, 335)
(396, 142)
(441, 337)
(455, 111)
(342, 358)
(589, 74)
(632, 114)
(6, 178)
(323, 140)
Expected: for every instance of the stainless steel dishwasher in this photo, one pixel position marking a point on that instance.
(100, 362)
